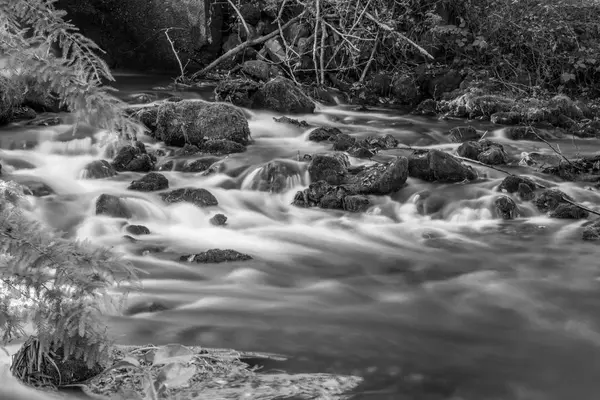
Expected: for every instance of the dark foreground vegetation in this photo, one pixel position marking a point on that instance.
(533, 66)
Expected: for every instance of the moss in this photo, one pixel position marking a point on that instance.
(11, 96)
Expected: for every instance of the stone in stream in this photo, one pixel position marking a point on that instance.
(222, 147)
(194, 122)
(484, 151)
(505, 207)
(324, 133)
(343, 142)
(462, 134)
(137, 230)
(133, 158)
(275, 176)
(584, 169)
(526, 133)
(356, 203)
(187, 150)
(291, 121)
(215, 256)
(512, 183)
(238, 92)
(568, 211)
(150, 182)
(282, 95)
(97, 169)
(380, 179)
(525, 192)
(112, 206)
(506, 118)
(549, 199)
(435, 165)
(360, 152)
(198, 165)
(429, 203)
(197, 196)
(331, 168)
(218, 220)
(591, 231)
(36, 188)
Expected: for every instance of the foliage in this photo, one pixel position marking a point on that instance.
(28, 30)
(60, 286)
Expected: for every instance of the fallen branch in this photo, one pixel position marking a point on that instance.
(181, 68)
(552, 148)
(314, 55)
(245, 45)
(483, 165)
(401, 36)
(371, 58)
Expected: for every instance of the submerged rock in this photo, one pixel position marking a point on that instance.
(97, 169)
(112, 206)
(505, 207)
(187, 150)
(36, 188)
(584, 169)
(218, 220)
(150, 182)
(198, 165)
(194, 122)
(133, 158)
(137, 230)
(331, 168)
(215, 256)
(276, 176)
(198, 197)
(435, 165)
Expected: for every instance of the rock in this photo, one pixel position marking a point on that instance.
(443, 83)
(506, 118)
(505, 207)
(343, 142)
(48, 121)
(435, 165)
(324, 133)
(550, 199)
(562, 104)
(592, 231)
(97, 169)
(525, 133)
(137, 230)
(135, 159)
(329, 168)
(275, 176)
(251, 13)
(360, 152)
(168, 165)
(493, 154)
(380, 84)
(568, 211)
(194, 122)
(150, 183)
(146, 115)
(525, 192)
(427, 107)
(260, 70)
(583, 169)
(145, 307)
(215, 256)
(291, 121)
(462, 134)
(429, 203)
(199, 165)
(475, 104)
(275, 50)
(281, 95)
(187, 150)
(381, 179)
(222, 147)
(36, 188)
(356, 203)
(405, 90)
(589, 129)
(239, 92)
(470, 150)
(511, 184)
(112, 206)
(218, 220)
(199, 197)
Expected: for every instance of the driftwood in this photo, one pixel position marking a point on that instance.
(243, 46)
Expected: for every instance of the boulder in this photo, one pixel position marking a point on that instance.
(137, 230)
(330, 168)
(112, 206)
(568, 211)
(257, 69)
(198, 165)
(381, 179)
(525, 133)
(343, 142)
(435, 165)
(195, 122)
(462, 134)
(36, 188)
(324, 133)
(199, 197)
(360, 151)
(215, 256)
(222, 147)
(238, 92)
(356, 203)
(427, 107)
(97, 169)
(484, 151)
(549, 199)
(506, 118)
(591, 231)
(505, 207)
(512, 184)
(282, 95)
(133, 158)
(218, 220)
(150, 183)
(275, 176)
(187, 150)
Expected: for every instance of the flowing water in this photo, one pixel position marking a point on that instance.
(467, 305)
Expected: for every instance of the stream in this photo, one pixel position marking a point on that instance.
(462, 306)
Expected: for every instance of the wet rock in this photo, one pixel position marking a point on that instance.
(218, 220)
(137, 230)
(511, 184)
(525, 133)
(381, 179)
(222, 147)
(330, 168)
(146, 115)
(360, 152)
(324, 133)
(563, 105)
(484, 151)
(506, 118)
(568, 211)
(589, 129)
(133, 158)
(356, 203)
(145, 307)
(257, 69)
(97, 169)
(187, 150)
(591, 232)
(584, 169)
(194, 122)
(292, 121)
(199, 197)
(550, 199)
(493, 155)
(343, 142)
(405, 90)
(36, 188)
(215, 256)
(462, 134)
(239, 92)
(470, 150)
(427, 108)
(49, 121)
(250, 12)
(199, 165)
(168, 165)
(525, 192)
(112, 206)
(276, 176)
(505, 207)
(429, 203)
(281, 95)
(435, 165)
(150, 183)
(476, 104)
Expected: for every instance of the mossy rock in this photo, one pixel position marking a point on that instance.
(281, 95)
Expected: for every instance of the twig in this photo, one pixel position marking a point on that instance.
(401, 36)
(371, 58)
(285, 44)
(241, 18)
(553, 149)
(244, 45)
(181, 68)
(314, 55)
(322, 56)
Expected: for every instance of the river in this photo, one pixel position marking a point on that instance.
(463, 306)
